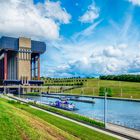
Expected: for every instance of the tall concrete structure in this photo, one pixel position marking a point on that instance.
(20, 59)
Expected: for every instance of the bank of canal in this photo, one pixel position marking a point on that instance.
(120, 112)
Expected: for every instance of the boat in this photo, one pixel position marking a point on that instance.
(63, 105)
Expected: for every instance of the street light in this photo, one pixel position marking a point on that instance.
(105, 108)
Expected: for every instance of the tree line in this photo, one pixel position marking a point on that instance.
(124, 77)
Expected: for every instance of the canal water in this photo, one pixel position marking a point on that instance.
(124, 113)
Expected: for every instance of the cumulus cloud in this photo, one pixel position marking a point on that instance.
(95, 66)
(94, 51)
(23, 18)
(135, 2)
(114, 51)
(90, 61)
(90, 15)
(100, 63)
(135, 65)
(54, 11)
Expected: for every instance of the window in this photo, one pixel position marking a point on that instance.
(24, 54)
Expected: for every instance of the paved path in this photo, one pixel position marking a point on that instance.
(124, 130)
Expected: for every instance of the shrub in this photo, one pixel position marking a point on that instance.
(102, 91)
(13, 102)
(109, 92)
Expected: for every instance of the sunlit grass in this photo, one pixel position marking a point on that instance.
(119, 89)
(21, 122)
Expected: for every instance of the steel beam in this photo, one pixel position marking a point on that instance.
(38, 67)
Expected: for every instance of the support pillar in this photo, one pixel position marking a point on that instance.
(5, 66)
(38, 67)
(34, 68)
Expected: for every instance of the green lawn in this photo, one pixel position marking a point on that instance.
(21, 122)
(91, 86)
(119, 89)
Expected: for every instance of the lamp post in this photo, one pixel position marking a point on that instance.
(105, 108)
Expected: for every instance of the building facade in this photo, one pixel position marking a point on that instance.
(20, 59)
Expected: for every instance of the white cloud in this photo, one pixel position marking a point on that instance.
(100, 63)
(96, 51)
(95, 66)
(116, 51)
(86, 32)
(54, 11)
(135, 2)
(23, 18)
(89, 60)
(91, 14)
(135, 65)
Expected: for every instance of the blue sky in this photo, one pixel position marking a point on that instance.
(83, 37)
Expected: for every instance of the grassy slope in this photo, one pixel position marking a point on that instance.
(17, 124)
(22, 122)
(91, 87)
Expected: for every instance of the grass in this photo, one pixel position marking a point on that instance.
(17, 124)
(33, 93)
(21, 122)
(91, 86)
(119, 89)
(71, 115)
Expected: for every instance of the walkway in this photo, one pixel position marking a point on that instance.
(124, 130)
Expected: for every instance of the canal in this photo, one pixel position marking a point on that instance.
(120, 112)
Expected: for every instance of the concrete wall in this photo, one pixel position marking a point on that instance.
(24, 60)
(24, 42)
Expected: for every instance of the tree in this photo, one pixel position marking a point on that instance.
(109, 92)
(102, 91)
